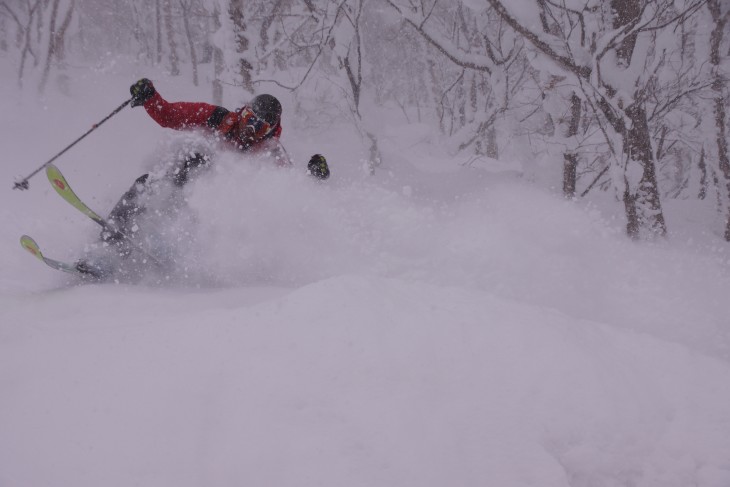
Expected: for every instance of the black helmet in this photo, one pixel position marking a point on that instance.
(267, 108)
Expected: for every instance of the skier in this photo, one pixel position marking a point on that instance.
(252, 129)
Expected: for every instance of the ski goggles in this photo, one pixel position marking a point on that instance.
(252, 126)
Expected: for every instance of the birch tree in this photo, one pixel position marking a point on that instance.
(24, 15)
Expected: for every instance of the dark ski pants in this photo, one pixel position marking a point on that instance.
(129, 207)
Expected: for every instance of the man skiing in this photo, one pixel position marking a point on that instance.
(252, 129)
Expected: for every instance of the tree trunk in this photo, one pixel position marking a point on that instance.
(217, 63)
(186, 22)
(51, 46)
(27, 40)
(375, 158)
(570, 174)
(158, 31)
(245, 68)
(720, 100)
(169, 27)
(492, 145)
(642, 201)
(3, 33)
(55, 41)
(570, 157)
(60, 43)
(266, 24)
(703, 176)
(722, 152)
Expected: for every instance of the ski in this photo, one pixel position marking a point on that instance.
(31, 246)
(59, 183)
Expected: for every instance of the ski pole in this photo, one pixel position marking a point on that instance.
(23, 183)
(286, 154)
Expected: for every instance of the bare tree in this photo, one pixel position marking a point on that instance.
(720, 20)
(348, 49)
(567, 115)
(490, 70)
(57, 33)
(24, 17)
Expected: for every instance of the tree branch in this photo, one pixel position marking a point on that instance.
(12, 14)
(314, 61)
(440, 45)
(563, 61)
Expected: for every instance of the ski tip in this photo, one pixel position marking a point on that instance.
(27, 240)
(31, 246)
(56, 178)
(51, 169)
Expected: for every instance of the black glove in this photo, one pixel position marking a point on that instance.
(318, 168)
(141, 91)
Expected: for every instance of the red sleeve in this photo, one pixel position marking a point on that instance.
(178, 115)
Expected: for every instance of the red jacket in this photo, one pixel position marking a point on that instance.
(216, 120)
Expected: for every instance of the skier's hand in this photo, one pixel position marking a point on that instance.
(141, 91)
(318, 167)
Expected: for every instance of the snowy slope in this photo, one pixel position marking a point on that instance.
(381, 383)
(432, 325)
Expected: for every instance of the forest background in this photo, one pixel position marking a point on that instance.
(624, 100)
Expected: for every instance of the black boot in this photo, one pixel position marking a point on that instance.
(94, 269)
(183, 170)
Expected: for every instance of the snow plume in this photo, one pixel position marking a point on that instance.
(260, 224)
(245, 222)
(242, 221)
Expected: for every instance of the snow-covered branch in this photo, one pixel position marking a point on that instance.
(442, 45)
(563, 60)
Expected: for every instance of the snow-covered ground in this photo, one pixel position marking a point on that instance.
(432, 325)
